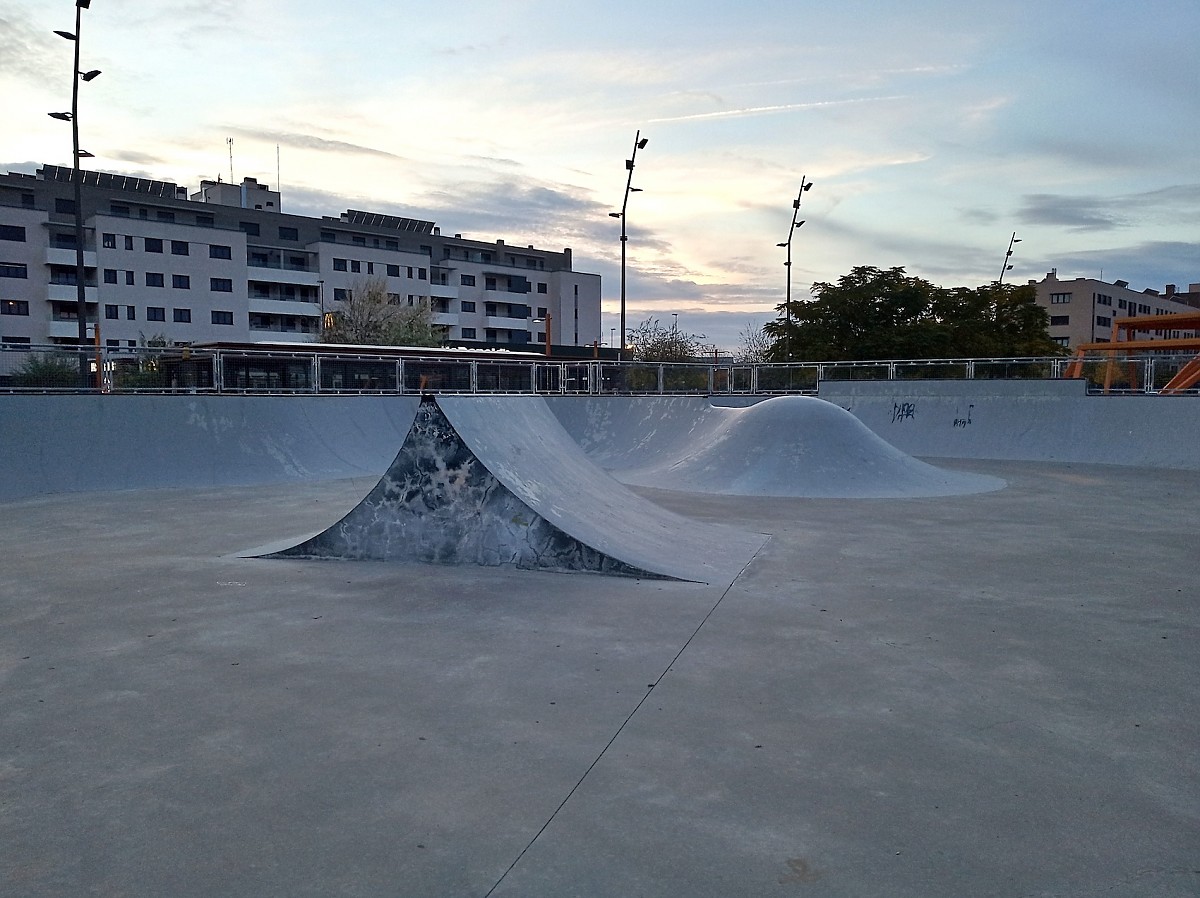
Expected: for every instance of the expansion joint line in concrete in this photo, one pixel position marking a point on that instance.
(683, 648)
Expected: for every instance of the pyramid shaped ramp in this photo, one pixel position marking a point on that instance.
(497, 481)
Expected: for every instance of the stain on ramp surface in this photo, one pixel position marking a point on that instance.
(497, 481)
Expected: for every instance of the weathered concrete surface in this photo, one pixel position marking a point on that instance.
(497, 481)
(1052, 420)
(986, 695)
(785, 446)
(68, 443)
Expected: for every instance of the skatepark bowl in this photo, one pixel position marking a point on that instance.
(905, 639)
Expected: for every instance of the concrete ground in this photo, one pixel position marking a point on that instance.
(986, 695)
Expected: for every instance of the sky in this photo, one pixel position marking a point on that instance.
(932, 130)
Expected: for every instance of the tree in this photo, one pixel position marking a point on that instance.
(872, 313)
(370, 315)
(651, 342)
(754, 345)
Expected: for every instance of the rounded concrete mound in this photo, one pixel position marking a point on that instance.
(794, 446)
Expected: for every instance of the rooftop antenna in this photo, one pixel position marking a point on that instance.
(278, 184)
(229, 140)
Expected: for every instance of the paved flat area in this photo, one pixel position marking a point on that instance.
(985, 695)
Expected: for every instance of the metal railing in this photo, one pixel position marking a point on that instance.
(55, 368)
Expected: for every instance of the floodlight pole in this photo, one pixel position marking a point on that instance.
(639, 143)
(1006, 266)
(787, 301)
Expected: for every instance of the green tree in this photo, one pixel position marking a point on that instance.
(369, 315)
(47, 370)
(872, 313)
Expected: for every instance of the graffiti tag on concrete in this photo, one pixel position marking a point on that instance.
(902, 411)
(963, 422)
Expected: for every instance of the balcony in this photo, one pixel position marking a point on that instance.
(284, 307)
(68, 293)
(56, 256)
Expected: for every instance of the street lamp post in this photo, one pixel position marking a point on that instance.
(1008, 255)
(76, 177)
(639, 143)
(787, 301)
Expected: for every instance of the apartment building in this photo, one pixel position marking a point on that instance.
(1083, 310)
(224, 264)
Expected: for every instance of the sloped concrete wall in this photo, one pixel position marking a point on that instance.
(1026, 420)
(57, 444)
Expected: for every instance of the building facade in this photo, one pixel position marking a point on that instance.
(1083, 310)
(224, 264)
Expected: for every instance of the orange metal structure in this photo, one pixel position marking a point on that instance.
(1187, 376)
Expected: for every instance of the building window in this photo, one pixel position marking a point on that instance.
(468, 333)
(339, 264)
(467, 280)
(218, 251)
(1059, 298)
(220, 285)
(1103, 300)
(489, 283)
(391, 244)
(355, 266)
(182, 316)
(118, 210)
(248, 227)
(329, 236)
(130, 313)
(13, 270)
(154, 279)
(110, 241)
(541, 288)
(205, 221)
(128, 242)
(179, 248)
(165, 216)
(129, 278)
(110, 275)
(468, 305)
(358, 241)
(1060, 320)
(12, 232)
(393, 271)
(541, 312)
(153, 245)
(421, 274)
(67, 207)
(222, 317)
(156, 313)
(112, 312)
(370, 268)
(14, 307)
(341, 294)
(1103, 321)
(181, 282)
(286, 234)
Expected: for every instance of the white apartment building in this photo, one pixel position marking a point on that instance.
(223, 264)
(1083, 310)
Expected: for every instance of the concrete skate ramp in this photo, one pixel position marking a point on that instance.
(787, 446)
(497, 481)
(63, 444)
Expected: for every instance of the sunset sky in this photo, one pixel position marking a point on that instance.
(932, 129)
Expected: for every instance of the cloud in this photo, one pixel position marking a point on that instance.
(1148, 264)
(770, 110)
(297, 140)
(1110, 212)
(30, 52)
